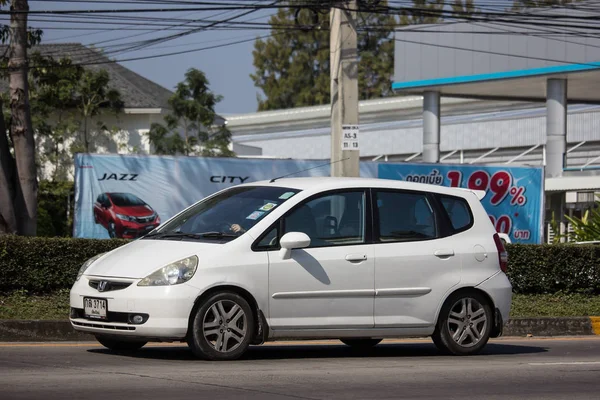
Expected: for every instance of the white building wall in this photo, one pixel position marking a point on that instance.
(128, 136)
(512, 131)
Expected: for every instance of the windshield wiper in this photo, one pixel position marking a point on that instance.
(218, 235)
(167, 235)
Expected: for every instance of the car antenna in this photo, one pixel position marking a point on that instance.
(308, 169)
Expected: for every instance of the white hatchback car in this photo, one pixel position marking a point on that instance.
(349, 258)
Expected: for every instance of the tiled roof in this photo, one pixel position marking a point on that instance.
(136, 91)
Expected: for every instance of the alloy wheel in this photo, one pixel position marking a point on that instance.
(467, 322)
(225, 325)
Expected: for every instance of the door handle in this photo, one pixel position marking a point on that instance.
(444, 253)
(356, 257)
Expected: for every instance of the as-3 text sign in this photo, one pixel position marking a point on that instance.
(513, 200)
(350, 137)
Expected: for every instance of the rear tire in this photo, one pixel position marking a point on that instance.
(222, 327)
(464, 324)
(361, 344)
(120, 345)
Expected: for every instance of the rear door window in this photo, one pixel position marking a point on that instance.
(404, 216)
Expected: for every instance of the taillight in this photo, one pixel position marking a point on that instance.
(502, 254)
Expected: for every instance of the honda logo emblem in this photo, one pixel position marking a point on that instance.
(102, 286)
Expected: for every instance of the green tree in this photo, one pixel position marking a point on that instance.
(192, 127)
(64, 99)
(423, 12)
(463, 8)
(94, 98)
(55, 208)
(18, 180)
(519, 5)
(292, 66)
(586, 228)
(54, 112)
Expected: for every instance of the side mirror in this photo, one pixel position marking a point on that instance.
(292, 240)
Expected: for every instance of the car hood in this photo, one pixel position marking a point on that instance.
(140, 258)
(134, 211)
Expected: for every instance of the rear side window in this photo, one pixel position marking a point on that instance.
(458, 212)
(404, 217)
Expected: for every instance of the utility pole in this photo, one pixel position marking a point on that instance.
(21, 127)
(344, 89)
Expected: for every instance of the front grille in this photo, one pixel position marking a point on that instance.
(144, 220)
(109, 285)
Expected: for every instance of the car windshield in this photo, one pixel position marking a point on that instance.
(126, 199)
(226, 215)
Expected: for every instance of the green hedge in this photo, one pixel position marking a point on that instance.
(565, 268)
(43, 265)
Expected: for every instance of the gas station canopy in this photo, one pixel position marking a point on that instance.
(502, 60)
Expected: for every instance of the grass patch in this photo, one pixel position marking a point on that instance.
(21, 305)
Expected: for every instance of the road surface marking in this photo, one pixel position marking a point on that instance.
(569, 363)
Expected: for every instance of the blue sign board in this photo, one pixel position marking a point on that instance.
(514, 195)
(126, 196)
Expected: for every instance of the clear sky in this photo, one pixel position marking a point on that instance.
(227, 68)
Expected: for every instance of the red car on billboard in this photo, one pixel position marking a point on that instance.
(124, 215)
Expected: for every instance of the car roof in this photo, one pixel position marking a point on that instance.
(322, 183)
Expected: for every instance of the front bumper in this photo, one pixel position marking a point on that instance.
(167, 308)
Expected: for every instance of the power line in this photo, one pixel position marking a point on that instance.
(139, 45)
(210, 6)
(525, 19)
(105, 60)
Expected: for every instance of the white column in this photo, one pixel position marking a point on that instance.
(556, 127)
(431, 127)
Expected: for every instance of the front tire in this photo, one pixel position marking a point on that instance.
(464, 324)
(222, 327)
(120, 345)
(361, 344)
(112, 230)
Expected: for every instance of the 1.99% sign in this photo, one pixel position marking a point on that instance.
(500, 185)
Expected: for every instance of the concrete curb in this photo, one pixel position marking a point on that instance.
(60, 330)
(550, 326)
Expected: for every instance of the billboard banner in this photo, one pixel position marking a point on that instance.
(514, 195)
(127, 196)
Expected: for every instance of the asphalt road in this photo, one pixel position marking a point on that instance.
(508, 369)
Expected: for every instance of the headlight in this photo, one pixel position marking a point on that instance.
(86, 265)
(172, 274)
(125, 217)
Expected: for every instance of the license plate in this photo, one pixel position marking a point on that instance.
(94, 308)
